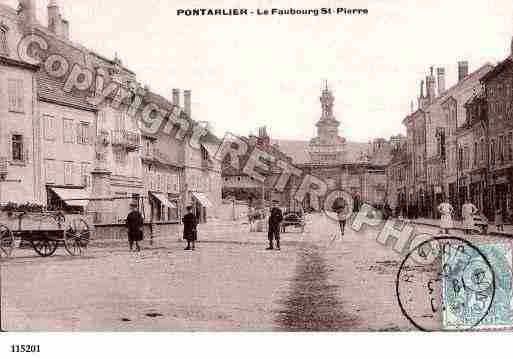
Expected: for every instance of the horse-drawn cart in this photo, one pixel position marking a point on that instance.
(44, 232)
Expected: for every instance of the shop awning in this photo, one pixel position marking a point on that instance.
(75, 197)
(202, 198)
(163, 199)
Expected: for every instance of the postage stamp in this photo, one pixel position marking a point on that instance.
(472, 281)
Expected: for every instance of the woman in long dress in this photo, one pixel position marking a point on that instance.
(467, 213)
(446, 210)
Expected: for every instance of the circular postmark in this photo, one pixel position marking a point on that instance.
(444, 283)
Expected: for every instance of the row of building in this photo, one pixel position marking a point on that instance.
(60, 151)
(357, 167)
(458, 144)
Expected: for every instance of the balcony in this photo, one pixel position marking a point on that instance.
(130, 141)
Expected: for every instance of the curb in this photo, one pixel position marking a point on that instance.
(497, 234)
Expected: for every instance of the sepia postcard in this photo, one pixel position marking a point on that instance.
(255, 166)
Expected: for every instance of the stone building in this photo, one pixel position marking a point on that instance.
(433, 131)
(19, 137)
(61, 148)
(358, 168)
(499, 97)
(238, 185)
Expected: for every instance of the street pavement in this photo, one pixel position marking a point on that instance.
(318, 282)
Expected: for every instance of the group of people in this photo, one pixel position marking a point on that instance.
(468, 214)
(135, 222)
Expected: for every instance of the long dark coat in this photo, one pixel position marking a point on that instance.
(134, 223)
(275, 219)
(190, 224)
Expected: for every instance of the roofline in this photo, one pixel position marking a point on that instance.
(496, 70)
(458, 84)
(66, 104)
(16, 63)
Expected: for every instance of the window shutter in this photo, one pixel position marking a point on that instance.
(12, 94)
(8, 139)
(20, 95)
(92, 134)
(26, 151)
(77, 131)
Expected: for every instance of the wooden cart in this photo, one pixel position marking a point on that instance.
(44, 232)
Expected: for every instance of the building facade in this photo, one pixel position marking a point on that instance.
(358, 168)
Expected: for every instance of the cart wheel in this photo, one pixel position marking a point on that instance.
(76, 237)
(45, 247)
(6, 242)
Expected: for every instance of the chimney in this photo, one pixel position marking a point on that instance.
(65, 29)
(28, 11)
(421, 97)
(511, 53)
(187, 102)
(440, 73)
(462, 70)
(55, 23)
(430, 86)
(176, 97)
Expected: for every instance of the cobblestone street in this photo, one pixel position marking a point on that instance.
(231, 283)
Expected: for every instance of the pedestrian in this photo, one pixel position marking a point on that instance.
(275, 220)
(190, 229)
(447, 211)
(134, 223)
(251, 218)
(340, 208)
(468, 211)
(499, 219)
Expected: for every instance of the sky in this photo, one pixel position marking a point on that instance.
(246, 72)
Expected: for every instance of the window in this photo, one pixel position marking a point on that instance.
(18, 153)
(68, 173)
(84, 174)
(83, 133)
(509, 143)
(121, 157)
(204, 153)
(476, 150)
(49, 127)
(4, 46)
(492, 152)
(483, 150)
(67, 126)
(120, 121)
(15, 89)
(50, 171)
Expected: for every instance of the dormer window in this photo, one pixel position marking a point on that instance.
(4, 46)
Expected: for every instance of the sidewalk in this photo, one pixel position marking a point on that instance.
(458, 226)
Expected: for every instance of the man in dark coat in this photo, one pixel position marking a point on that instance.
(134, 223)
(275, 220)
(190, 229)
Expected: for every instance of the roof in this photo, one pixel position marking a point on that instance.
(299, 152)
(21, 64)
(51, 90)
(497, 69)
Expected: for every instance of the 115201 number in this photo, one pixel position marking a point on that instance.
(25, 349)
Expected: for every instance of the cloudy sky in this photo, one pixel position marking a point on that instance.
(250, 71)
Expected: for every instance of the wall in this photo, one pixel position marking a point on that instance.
(60, 146)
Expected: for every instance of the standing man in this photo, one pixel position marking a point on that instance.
(134, 223)
(340, 208)
(467, 213)
(275, 220)
(190, 229)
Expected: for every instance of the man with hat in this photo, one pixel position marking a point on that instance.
(134, 223)
(275, 220)
(190, 229)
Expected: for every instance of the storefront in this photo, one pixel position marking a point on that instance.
(200, 204)
(71, 199)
